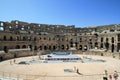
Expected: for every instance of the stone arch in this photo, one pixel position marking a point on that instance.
(101, 45)
(80, 47)
(54, 47)
(76, 44)
(107, 45)
(40, 47)
(85, 47)
(5, 49)
(30, 46)
(112, 48)
(96, 44)
(24, 38)
(17, 38)
(17, 47)
(112, 39)
(35, 38)
(24, 46)
(67, 47)
(71, 44)
(107, 39)
(45, 47)
(90, 45)
(62, 47)
(35, 47)
(50, 48)
(4, 38)
(11, 38)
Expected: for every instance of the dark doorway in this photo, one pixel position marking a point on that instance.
(5, 49)
(54, 47)
(80, 47)
(62, 47)
(112, 47)
(101, 45)
(45, 47)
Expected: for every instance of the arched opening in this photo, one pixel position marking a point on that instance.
(54, 47)
(96, 44)
(76, 44)
(90, 45)
(24, 46)
(112, 48)
(4, 38)
(49, 47)
(101, 45)
(24, 39)
(101, 39)
(107, 39)
(35, 38)
(40, 47)
(11, 38)
(80, 47)
(71, 44)
(17, 47)
(17, 38)
(45, 47)
(30, 46)
(85, 48)
(112, 40)
(67, 47)
(5, 49)
(62, 47)
(107, 45)
(35, 48)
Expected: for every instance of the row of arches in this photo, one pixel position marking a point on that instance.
(46, 47)
(107, 46)
(107, 39)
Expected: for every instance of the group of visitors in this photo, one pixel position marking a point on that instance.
(111, 77)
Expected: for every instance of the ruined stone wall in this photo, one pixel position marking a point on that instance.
(18, 34)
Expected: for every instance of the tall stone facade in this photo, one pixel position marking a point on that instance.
(19, 35)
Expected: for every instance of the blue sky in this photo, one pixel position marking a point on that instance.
(81, 13)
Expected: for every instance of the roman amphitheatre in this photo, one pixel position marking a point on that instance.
(41, 70)
(25, 51)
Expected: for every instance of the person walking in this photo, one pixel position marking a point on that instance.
(115, 75)
(105, 75)
(110, 77)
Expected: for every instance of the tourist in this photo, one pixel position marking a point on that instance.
(105, 75)
(14, 61)
(10, 62)
(110, 77)
(75, 68)
(115, 75)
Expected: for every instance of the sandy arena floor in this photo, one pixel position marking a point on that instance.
(55, 71)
